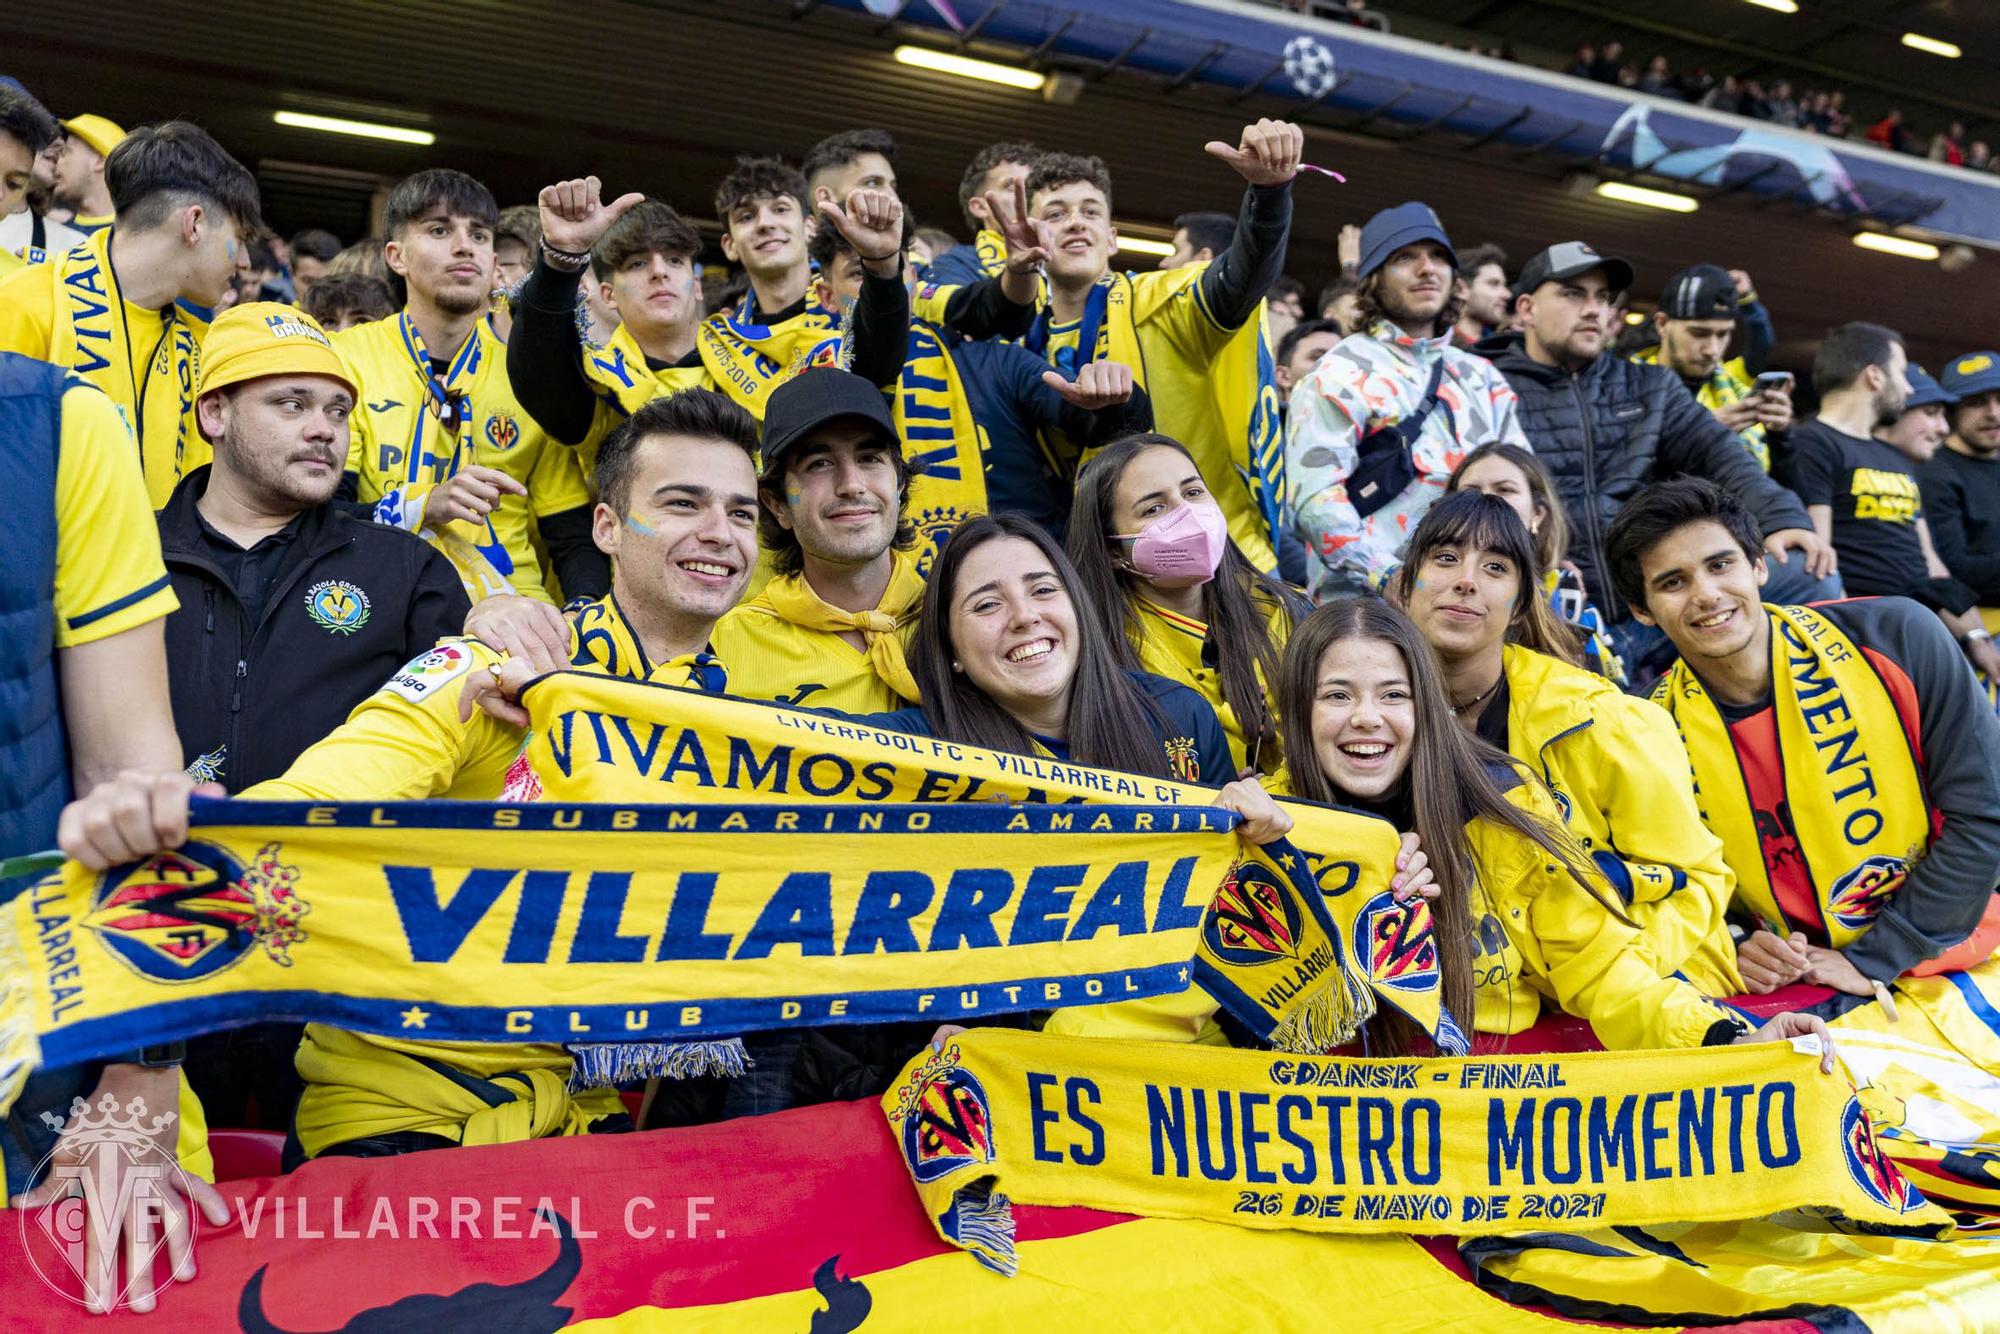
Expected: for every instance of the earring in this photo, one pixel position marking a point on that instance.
(957, 666)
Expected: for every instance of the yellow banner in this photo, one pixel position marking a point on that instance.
(1446, 1145)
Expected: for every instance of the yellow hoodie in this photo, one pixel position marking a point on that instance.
(1617, 770)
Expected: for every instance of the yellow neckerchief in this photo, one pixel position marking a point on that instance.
(91, 335)
(1242, 381)
(602, 640)
(942, 441)
(1851, 782)
(1174, 646)
(620, 372)
(881, 628)
(991, 247)
(747, 360)
(1593, 1139)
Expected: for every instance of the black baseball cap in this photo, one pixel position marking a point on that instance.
(814, 397)
(1704, 292)
(1569, 259)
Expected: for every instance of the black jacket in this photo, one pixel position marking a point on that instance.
(1613, 428)
(247, 699)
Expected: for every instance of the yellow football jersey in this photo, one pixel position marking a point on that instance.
(412, 430)
(109, 575)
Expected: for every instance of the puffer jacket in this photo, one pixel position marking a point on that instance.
(1613, 765)
(1614, 427)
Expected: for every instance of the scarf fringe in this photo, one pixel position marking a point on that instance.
(1330, 1018)
(608, 1064)
(981, 1220)
(20, 1050)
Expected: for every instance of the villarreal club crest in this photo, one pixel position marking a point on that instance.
(187, 914)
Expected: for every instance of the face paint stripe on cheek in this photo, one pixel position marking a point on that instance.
(640, 528)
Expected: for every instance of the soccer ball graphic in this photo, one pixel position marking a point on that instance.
(1309, 65)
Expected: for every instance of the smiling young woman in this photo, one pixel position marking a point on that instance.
(1367, 724)
(1613, 762)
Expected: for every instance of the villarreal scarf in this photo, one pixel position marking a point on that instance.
(941, 440)
(1242, 380)
(620, 373)
(851, 896)
(90, 336)
(1301, 939)
(1548, 1143)
(1856, 798)
(747, 360)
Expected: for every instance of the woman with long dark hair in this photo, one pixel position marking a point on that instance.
(1368, 725)
(1510, 473)
(1615, 763)
(1173, 594)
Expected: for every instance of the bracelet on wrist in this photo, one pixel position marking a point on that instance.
(566, 261)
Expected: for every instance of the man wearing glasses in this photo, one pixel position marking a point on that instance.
(440, 444)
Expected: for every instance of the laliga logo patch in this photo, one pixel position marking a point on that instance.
(184, 915)
(1870, 1167)
(1398, 942)
(502, 431)
(1253, 920)
(336, 605)
(947, 1122)
(1857, 896)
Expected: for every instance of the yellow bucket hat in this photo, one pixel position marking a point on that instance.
(262, 338)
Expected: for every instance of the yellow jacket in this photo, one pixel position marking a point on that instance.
(1619, 775)
(1541, 932)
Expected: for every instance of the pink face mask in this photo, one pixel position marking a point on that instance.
(1184, 543)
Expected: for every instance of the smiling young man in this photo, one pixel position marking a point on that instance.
(828, 631)
(677, 515)
(1375, 428)
(1843, 752)
(1607, 426)
(440, 443)
(27, 131)
(1193, 336)
(111, 309)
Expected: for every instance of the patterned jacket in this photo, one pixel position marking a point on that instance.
(1364, 382)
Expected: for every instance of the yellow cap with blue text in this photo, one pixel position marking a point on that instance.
(263, 338)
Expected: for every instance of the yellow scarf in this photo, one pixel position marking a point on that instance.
(1547, 1143)
(1852, 786)
(747, 361)
(991, 247)
(941, 440)
(601, 640)
(880, 628)
(620, 373)
(90, 337)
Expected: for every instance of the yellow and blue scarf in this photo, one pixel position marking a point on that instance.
(747, 360)
(1851, 782)
(942, 441)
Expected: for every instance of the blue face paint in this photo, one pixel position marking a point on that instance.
(639, 528)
